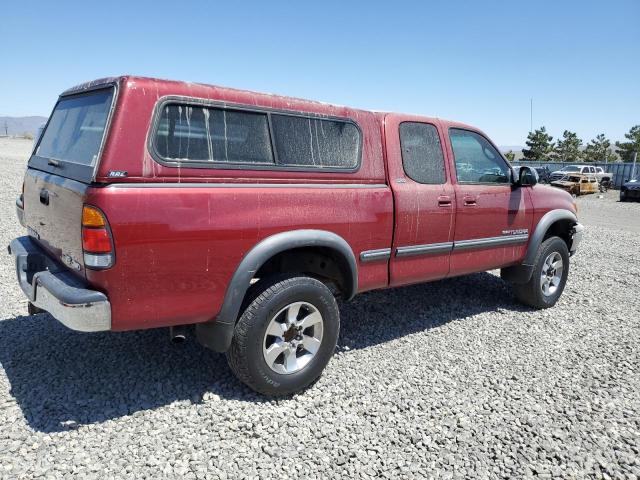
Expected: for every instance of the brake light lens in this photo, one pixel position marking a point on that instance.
(97, 242)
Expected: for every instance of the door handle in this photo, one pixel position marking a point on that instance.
(444, 201)
(469, 201)
(44, 197)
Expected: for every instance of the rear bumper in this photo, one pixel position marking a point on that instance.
(52, 288)
(576, 237)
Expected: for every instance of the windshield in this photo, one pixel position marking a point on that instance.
(570, 169)
(76, 127)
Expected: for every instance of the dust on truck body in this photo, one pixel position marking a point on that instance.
(151, 203)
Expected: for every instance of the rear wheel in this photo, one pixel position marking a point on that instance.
(550, 271)
(285, 336)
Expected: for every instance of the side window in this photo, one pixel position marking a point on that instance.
(476, 160)
(315, 142)
(422, 157)
(202, 134)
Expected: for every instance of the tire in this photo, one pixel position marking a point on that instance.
(533, 293)
(291, 367)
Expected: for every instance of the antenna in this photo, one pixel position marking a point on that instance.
(531, 115)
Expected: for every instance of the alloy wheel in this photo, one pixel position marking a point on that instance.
(551, 274)
(293, 337)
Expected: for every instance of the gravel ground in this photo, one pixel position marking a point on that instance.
(452, 379)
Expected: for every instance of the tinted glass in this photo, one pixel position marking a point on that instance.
(314, 142)
(476, 159)
(75, 130)
(202, 134)
(422, 156)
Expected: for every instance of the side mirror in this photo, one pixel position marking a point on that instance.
(527, 177)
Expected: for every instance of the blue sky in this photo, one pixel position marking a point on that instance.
(476, 62)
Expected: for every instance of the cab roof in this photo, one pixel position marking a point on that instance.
(209, 91)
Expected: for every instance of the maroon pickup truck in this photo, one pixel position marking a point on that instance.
(152, 203)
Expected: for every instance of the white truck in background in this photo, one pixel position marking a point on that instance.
(604, 178)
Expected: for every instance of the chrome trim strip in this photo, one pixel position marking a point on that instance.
(435, 248)
(375, 255)
(246, 185)
(490, 242)
(428, 249)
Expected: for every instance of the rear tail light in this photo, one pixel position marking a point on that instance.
(97, 242)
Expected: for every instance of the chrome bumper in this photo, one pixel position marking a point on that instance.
(51, 287)
(576, 237)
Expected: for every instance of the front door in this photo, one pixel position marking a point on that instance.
(423, 197)
(493, 218)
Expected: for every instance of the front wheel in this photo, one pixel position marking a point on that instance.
(550, 271)
(285, 336)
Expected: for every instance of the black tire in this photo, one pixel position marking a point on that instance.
(270, 296)
(531, 293)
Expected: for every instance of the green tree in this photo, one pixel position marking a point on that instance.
(626, 149)
(568, 149)
(599, 150)
(540, 145)
(510, 156)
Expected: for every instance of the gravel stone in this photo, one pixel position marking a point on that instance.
(452, 379)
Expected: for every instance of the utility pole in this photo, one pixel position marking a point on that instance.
(531, 115)
(633, 169)
(6, 128)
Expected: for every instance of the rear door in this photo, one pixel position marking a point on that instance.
(423, 197)
(492, 218)
(60, 171)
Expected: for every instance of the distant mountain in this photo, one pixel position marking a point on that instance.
(20, 125)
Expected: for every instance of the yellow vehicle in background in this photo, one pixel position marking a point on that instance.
(578, 184)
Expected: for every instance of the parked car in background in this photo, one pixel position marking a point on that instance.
(630, 190)
(597, 172)
(151, 203)
(577, 184)
(604, 179)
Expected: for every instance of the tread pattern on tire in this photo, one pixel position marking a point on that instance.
(237, 353)
(529, 293)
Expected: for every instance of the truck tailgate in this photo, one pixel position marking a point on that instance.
(53, 215)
